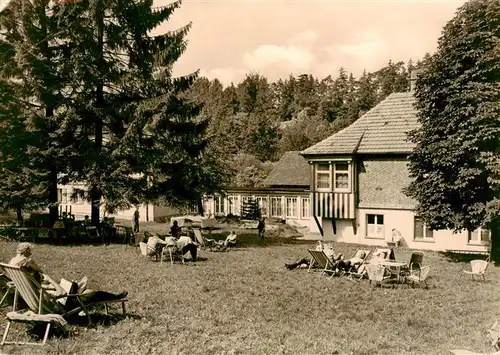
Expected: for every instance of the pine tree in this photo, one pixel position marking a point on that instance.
(140, 138)
(250, 209)
(455, 165)
(31, 48)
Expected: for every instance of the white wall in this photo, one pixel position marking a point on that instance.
(82, 208)
(402, 220)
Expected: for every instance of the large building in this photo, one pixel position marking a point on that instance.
(358, 176)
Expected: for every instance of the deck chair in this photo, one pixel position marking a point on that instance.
(6, 289)
(419, 276)
(205, 243)
(467, 352)
(43, 307)
(389, 253)
(359, 271)
(149, 252)
(319, 258)
(494, 335)
(477, 268)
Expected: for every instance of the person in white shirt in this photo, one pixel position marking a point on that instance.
(185, 244)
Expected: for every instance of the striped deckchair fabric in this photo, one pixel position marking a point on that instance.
(43, 306)
(32, 292)
(319, 258)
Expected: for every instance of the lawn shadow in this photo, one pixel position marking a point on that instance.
(463, 257)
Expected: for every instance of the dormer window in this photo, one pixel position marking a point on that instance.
(323, 176)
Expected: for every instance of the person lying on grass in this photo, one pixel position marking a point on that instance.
(304, 262)
(24, 258)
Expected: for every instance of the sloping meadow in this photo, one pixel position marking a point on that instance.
(244, 301)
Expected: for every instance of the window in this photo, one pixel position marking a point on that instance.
(77, 197)
(276, 209)
(64, 195)
(375, 226)
(341, 176)
(323, 177)
(291, 207)
(262, 204)
(422, 231)
(232, 205)
(219, 204)
(479, 236)
(306, 209)
(59, 195)
(245, 200)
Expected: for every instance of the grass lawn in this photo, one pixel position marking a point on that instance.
(245, 302)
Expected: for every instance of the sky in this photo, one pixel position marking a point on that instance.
(276, 38)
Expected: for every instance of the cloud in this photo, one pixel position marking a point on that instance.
(225, 75)
(367, 51)
(370, 45)
(305, 37)
(292, 56)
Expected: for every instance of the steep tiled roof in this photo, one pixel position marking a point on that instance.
(383, 129)
(291, 170)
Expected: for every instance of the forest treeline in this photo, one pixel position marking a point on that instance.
(254, 122)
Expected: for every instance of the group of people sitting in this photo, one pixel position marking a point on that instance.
(340, 265)
(184, 242)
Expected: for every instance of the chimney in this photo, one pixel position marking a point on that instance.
(413, 77)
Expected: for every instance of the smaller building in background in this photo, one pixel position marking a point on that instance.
(285, 195)
(70, 202)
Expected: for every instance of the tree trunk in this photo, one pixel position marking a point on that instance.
(20, 218)
(495, 240)
(95, 191)
(52, 189)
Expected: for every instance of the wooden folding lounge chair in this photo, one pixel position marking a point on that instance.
(43, 307)
(319, 257)
(357, 273)
(467, 352)
(477, 268)
(205, 243)
(494, 335)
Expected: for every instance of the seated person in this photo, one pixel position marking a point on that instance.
(379, 254)
(175, 230)
(183, 244)
(352, 262)
(304, 262)
(155, 245)
(24, 259)
(231, 239)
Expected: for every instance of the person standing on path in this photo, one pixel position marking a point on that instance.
(261, 228)
(135, 221)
